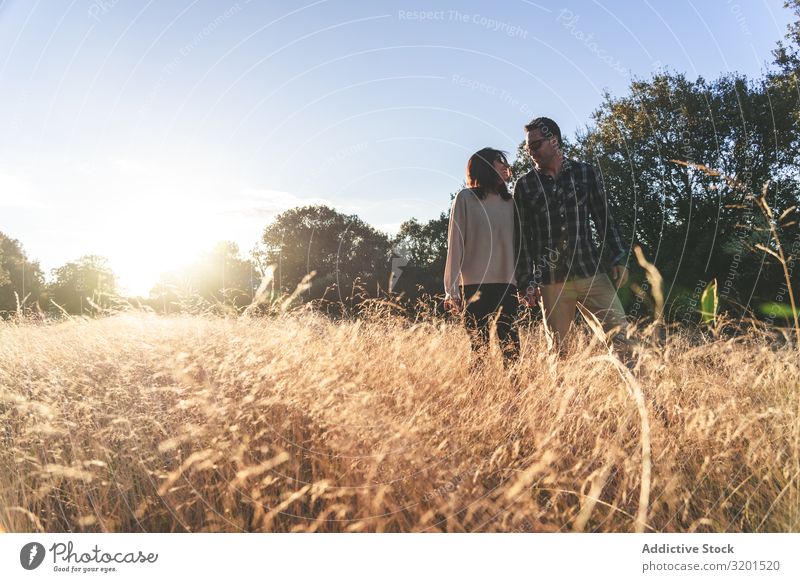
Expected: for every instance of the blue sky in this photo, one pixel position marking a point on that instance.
(147, 131)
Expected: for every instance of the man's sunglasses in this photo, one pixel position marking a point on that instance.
(535, 145)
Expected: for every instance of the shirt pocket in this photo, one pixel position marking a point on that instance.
(577, 194)
(533, 200)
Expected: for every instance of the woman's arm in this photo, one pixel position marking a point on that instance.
(455, 248)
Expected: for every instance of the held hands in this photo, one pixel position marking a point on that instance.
(619, 275)
(531, 297)
(453, 304)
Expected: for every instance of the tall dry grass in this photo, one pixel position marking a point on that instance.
(298, 423)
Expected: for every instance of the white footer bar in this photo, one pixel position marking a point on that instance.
(371, 557)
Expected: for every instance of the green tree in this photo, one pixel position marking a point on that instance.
(340, 248)
(220, 276)
(694, 225)
(82, 286)
(424, 244)
(18, 275)
(787, 55)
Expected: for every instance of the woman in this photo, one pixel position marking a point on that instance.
(480, 253)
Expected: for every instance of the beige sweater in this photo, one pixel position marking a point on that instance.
(480, 242)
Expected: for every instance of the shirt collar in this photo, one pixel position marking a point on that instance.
(566, 169)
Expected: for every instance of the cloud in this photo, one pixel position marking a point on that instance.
(266, 203)
(391, 228)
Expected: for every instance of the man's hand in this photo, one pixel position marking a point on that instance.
(453, 304)
(619, 274)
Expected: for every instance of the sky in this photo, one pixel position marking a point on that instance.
(147, 131)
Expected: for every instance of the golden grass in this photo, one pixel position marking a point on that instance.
(298, 423)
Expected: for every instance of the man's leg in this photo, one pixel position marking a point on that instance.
(599, 296)
(559, 309)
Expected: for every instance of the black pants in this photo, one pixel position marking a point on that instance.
(479, 315)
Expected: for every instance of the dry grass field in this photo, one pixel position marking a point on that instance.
(298, 423)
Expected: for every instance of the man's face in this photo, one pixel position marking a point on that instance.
(541, 149)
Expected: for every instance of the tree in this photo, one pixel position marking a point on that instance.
(220, 276)
(694, 225)
(18, 275)
(425, 247)
(787, 56)
(82, 286)
(339, 248)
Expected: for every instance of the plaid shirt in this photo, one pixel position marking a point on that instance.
(553, 240)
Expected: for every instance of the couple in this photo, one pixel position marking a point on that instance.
(539, 241)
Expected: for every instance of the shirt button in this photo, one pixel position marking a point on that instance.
(563, 228)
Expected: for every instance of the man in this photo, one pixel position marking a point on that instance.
(556, 254)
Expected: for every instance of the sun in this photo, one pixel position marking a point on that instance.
(145, 245)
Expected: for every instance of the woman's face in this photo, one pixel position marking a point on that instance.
(503, 169)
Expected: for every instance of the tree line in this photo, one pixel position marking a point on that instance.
(681, 158)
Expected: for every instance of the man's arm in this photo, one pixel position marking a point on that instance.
(526, 283)
(607, 227)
